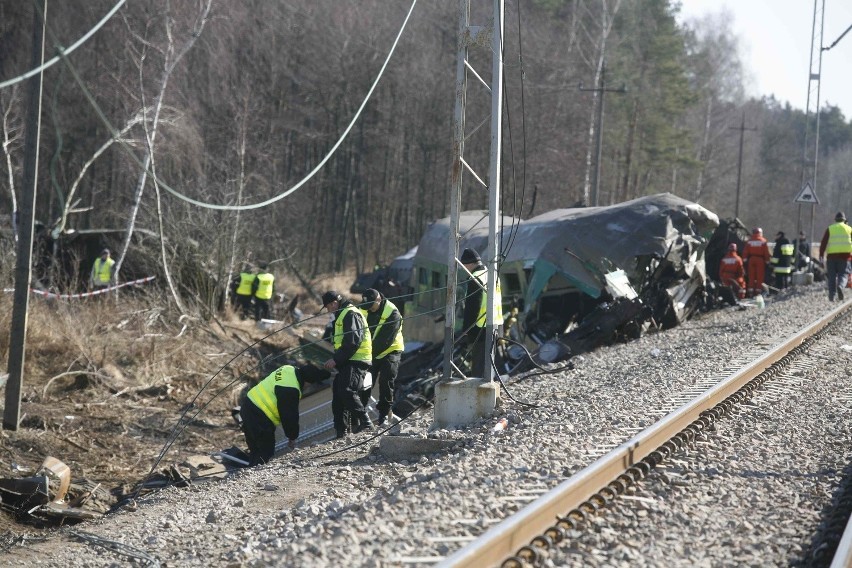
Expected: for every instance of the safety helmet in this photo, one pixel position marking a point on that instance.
(732, 247)
(757, 231)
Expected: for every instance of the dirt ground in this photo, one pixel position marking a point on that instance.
(107, 383)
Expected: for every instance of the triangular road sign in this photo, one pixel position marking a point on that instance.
(807, 195)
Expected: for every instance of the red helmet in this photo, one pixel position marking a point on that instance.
(733, 247)
(757, 231)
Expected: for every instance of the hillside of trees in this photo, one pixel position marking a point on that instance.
(234, 103)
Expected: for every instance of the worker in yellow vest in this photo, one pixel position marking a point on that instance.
(836, 250)
(353, 355)
(385, 324)
(102, 271)
(244, 292)
(262, 289)
(476, 302)
(273, 402)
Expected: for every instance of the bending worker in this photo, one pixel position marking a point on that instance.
(385, 324)
(272, 402)
(756, 255)
(353, 356)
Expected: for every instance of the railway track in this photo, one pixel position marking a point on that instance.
(524, 538)
(360, 507)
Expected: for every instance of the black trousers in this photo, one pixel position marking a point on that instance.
(244, 304)
(384, 372)
(259, 431)
(344, 395)
(261, 309)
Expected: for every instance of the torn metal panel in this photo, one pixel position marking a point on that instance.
(25, 492)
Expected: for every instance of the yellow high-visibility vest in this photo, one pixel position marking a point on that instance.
(482, 276)
(398, 343)
(263, 393)
(365, 349)
(839, 239)
(246, 279)
(264, 286)
(102, 271)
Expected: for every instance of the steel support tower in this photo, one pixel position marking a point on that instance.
(487, 37)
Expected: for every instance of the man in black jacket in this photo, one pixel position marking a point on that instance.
(352, 359)
(275, 401)
(385, 324)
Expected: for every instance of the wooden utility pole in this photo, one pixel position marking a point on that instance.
(23, 272)
(742, 128)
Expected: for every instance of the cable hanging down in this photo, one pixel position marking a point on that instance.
(280, 196)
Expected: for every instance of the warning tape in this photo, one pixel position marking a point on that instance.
(47, 294)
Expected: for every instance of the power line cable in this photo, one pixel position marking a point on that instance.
(269, 201)
(78, 43)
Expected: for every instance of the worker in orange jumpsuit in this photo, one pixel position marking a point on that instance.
(731, 272)
(756, 254)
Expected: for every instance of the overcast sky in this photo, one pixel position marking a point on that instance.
(775, 42)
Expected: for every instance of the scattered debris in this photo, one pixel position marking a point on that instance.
(40, 499)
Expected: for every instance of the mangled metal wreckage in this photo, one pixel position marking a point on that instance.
(574, 279)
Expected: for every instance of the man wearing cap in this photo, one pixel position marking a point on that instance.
(272, 402)
(385, 324)
(353, 355)
(102, 271)
(475, 304)
(836, 249)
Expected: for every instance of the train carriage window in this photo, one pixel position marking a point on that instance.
(422, 286)
(510, 283)
(436, 280)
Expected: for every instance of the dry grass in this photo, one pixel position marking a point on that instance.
(106, 380)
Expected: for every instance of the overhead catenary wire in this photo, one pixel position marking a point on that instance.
(280, 196)
(50, 62)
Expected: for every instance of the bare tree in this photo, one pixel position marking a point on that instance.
(12, 125)
(607, 17)
(172, 55)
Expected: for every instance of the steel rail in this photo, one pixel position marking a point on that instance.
(502, 541)
(843, 554)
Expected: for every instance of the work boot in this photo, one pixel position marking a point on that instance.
(840, 294)
(364, 424)
(382, 418)
(340, 434)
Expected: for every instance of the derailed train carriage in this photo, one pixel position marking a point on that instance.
(574, 279)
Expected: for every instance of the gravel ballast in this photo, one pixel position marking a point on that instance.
(751, 493)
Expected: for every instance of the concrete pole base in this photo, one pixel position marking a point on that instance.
(461, 402)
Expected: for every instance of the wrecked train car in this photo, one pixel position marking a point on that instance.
(598, 272)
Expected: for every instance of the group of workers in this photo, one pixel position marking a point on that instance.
(368, 346)
(254, 288)
(746, 275)
(368, 343)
